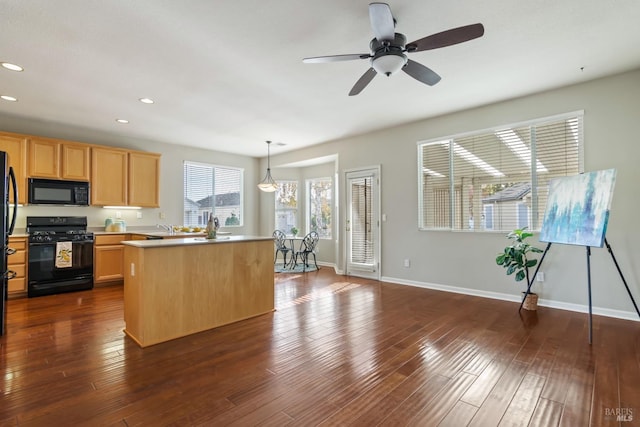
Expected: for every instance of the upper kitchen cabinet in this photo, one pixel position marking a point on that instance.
(58, 159)
(124, 178)
(16, 147)
(109, 176)
(144, 179)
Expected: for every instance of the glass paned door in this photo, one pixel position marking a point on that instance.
(362, 223)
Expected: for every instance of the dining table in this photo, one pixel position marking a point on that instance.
(292, 240)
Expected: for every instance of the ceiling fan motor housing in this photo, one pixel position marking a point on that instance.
(388, 56)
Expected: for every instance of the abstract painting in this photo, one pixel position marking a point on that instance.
(578, 209)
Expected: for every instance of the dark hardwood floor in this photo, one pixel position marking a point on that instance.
(338, 351)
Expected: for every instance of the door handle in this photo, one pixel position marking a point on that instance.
(14, 185)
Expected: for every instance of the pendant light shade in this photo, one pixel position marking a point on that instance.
(268, 185)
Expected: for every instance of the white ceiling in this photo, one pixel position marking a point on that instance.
(228, 75)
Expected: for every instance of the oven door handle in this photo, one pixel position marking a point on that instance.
(82, 242)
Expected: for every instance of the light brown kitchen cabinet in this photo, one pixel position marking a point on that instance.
(109, 176)
(108, 260)
(16, 148)
(76, 161)
(144, 180)
(58, 160)
(44, 158)
(17, 262)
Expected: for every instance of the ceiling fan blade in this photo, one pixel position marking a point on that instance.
(335, 58)
(447, 38)
(382, 22)
(363, 81)
(421, 73)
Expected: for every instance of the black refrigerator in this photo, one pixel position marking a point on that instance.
(6, 228)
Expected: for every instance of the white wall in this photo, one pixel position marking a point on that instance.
(466, 260)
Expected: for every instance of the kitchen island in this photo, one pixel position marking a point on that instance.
(178, 287)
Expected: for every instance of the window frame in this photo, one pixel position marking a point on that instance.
(213, 167)
(294, 210)
(308, 226)
(532, 170)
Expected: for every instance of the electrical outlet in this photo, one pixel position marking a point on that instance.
(139, 215)
(118, 214)
(161, 215)
(407, 263)
(133, 269)
(540, 276)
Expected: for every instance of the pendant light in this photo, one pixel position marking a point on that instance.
(268, 185)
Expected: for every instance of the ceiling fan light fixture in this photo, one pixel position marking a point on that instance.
(389, 63)
(268, 184)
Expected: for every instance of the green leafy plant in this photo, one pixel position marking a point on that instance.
(294, 231)
(515, 257)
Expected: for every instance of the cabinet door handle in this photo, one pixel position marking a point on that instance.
(11, 251)
(10, 274)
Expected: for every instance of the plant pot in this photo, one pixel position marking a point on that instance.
(530, 302)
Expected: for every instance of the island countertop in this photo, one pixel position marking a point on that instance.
(155, 243)
(178, 287)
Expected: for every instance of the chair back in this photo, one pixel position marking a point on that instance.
(310, 242)
(279, 239)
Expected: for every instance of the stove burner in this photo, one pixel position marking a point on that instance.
(58, 229)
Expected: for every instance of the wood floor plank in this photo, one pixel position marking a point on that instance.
(546, 414)
(338, 350)
(524, 402)
(460, 415)
(444, 401)
(495, 405)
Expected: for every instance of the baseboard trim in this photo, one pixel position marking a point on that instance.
(580, 308)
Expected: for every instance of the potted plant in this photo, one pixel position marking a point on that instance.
(515, 259)
(294, 231)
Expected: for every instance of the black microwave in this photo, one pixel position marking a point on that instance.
(58, 192)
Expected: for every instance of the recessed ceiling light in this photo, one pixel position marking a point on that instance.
(146, 100)
(10, 66)
(9, 98)
(124, 121)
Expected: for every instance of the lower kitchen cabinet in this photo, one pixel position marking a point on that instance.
(108, 260)
(17, 262)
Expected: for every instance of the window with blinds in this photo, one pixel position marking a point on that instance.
(319, 206)
(212, 191)
(286, 206)
(496, 179)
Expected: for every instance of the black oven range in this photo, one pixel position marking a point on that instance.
(60, 255)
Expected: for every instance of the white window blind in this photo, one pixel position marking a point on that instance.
(361, 221)
(319, 206)
(287, 206)
(212, 190)
(496, 179)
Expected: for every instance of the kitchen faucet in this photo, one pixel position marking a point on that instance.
(167, 227)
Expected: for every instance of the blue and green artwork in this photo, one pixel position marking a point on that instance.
(578, 209)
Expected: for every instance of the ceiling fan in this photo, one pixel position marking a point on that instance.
(388, 49)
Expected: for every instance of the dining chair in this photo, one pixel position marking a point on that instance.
(280, 241)
(308, 247)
